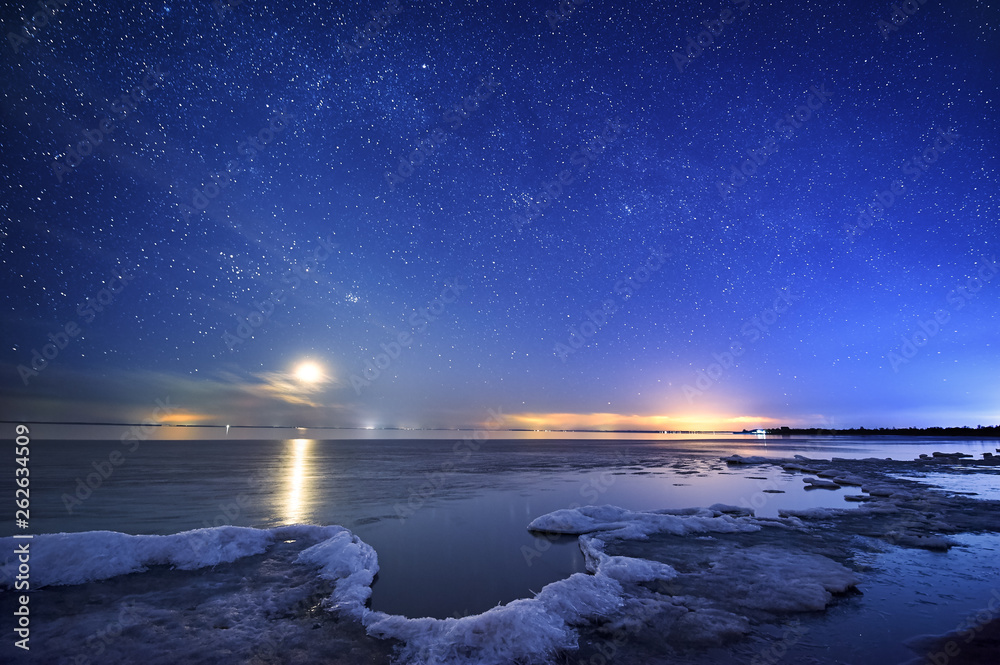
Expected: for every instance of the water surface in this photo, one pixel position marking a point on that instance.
(446, 514)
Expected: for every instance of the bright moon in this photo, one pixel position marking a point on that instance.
(309, 372)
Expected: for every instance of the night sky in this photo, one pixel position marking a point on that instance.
(593, 215)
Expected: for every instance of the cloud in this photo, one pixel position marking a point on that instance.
(128, 396)
(287, 388)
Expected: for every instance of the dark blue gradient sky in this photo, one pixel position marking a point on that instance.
(601, 215)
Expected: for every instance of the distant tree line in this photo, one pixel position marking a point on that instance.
(979, 430)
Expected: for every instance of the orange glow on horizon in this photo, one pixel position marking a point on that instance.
(186, 418)
(620, 421)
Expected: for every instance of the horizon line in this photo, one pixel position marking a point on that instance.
(369, 429)
(759, 430)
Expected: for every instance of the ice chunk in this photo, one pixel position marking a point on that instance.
(848, 479)
(622, 523)
(934, 543)
(811, 513)
(76, 558)
(351, 563)
(819, 483)
(622, 568)
(581, 520)
(798, 467)
(726, 509)
(739, 459)
(703, 512)
(678, 620)
(527, 630)
(775, 580)
(711, 626)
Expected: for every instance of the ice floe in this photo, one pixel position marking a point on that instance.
(527, 630)
(820, 483)
(622, 523)
(775, 580)
(739, 459)
(622, 568)
(75, 558)
(351, 564)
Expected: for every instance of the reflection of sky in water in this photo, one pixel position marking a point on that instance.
(743, 487)
(467, 553)
(985, 482)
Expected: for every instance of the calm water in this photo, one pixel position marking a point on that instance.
(449, 524)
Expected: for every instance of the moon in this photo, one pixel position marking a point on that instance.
(309, 372)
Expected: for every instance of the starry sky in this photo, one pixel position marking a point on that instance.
(402, 213)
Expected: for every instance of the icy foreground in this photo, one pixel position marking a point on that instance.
(693, 578)
(614, 595)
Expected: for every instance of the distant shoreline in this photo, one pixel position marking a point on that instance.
(966, 431)
(980, 431)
